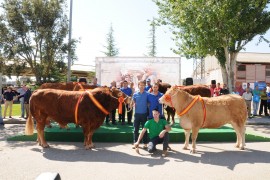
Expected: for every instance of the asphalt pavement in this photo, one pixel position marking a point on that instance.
(27, 160)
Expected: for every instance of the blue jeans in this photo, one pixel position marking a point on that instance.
(255, 107)
(139, 119)
(157, 140)
(22, 108)
(1, 119)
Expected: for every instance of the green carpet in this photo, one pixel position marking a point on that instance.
(124, 133)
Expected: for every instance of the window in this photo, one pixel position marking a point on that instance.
(241, 68)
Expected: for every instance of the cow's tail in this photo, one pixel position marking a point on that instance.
(29, 128)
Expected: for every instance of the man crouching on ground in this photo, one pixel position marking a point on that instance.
(158, 133)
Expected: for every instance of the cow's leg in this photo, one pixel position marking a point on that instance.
(173, 115)
(243, 141)
(90, 142)
(238, 134)
(168, 116)
(195, 131)
(187, 135)
(41, 137)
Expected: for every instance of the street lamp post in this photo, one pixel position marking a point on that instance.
(69, 43)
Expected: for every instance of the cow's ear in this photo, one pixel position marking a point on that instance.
(120, 94)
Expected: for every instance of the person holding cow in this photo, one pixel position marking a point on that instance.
(128, 91)
(140, 116)
(158, 133)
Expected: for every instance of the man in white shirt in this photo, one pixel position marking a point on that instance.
(248, 97)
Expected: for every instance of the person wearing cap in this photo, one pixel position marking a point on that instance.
(148, 85)
(158, 133)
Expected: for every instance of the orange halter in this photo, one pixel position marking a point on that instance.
(93, 100)
(78, 84)
(168, 98)
(120, 100)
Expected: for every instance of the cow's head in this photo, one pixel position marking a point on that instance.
(167, 97)
(120, 95)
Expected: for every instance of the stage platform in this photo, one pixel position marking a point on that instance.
(124, 133)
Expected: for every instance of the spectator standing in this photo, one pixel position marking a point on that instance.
(248, 97)
(248, 87)
(148, 85)
(152, 99)
(239, 90)
(224, 90)
(22, 90)
(140, 117)
(263, 105)
(9, 96)
(27, 96)
(268, 101)
(128, 91)
(217, 90)
(1, 118)
(94, 82)
(256, 100)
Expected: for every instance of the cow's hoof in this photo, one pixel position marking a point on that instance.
(237, 146)
(137, 150)
(88, 147)
(185, 148)
(45, 146)
(242, 148)
(193, 151)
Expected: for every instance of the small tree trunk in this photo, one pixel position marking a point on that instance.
(224, 75)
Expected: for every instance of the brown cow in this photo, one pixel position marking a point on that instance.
(202, 112)
(60, 105)
(201, 90)
(70, 86)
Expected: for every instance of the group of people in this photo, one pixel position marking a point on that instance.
(9, 96)
(148, 115)
(260, 100)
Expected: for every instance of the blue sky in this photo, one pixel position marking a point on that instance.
(129, 18)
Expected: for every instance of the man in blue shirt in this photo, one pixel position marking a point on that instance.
(140, 117)
(148, 85)
(153, 98)
(128, 91)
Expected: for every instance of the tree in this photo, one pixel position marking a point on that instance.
(152, 47)
(34, 32)
(111, 49)
(210, 27)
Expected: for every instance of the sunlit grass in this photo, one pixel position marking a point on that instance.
(16, 110)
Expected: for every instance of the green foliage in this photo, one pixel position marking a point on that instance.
(111, 49)
(152, 47)
(34, 32)
(205, 27)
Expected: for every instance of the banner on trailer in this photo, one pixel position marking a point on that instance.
(134, 69)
